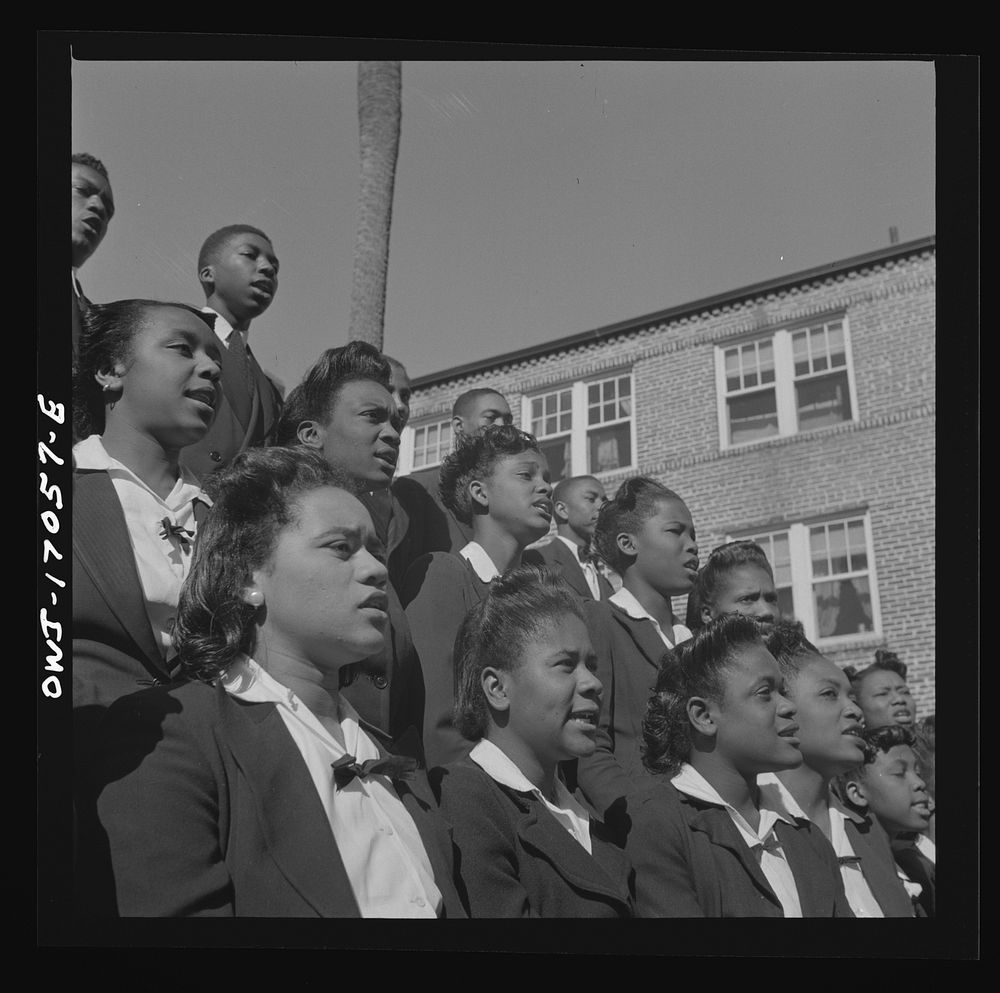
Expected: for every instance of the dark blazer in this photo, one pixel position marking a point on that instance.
(628, 658)
(439, 590)
(562, 561)
(449, 534)
(115, 651)
(918, 867)
(387, 690)
(690, 860)
(209, 810)
(514, 859)
(241, 421)
(871, 845)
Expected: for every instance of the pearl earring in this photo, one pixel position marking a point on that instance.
(255, 598)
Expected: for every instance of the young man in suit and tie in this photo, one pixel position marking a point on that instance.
(238, 270)
(576, 502)
(93, 206)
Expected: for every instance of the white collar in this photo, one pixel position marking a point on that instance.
(770, 804)
(247, 679)
(573, 547)
(498, 765)
(626, 600)
(223, 328)
(479, 559)
(91, 454)
(775, 788)
(926, 847)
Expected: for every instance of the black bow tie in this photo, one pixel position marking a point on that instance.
(584, 554)
(393, 766)
(169, 530)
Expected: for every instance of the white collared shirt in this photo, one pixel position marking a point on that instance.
(479, 559)
(589, 569)
(927, 848)
(624, 599)
(223, 329)
(859, 893)
(162, 562)
(567, 811)
(381, 848)
(763, 842)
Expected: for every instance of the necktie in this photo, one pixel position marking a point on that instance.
(169, 530)
(394, 766)
(584, 554)
(241, 399)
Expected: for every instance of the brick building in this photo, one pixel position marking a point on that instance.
(799, 412)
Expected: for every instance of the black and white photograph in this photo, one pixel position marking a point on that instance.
(491, 481)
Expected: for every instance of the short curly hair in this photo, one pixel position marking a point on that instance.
(255, 497)
(217, 240)
(314, 398)
(693, 668)
(476, 457)
(107, 334)
(635, 501)
(519, 606)
(711, 575)
(91, 162)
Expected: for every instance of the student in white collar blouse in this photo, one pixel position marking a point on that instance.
(254, 790)
(497, 481)
(528, 697)
(646, 534)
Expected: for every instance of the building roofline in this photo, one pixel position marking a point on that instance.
(684, 310)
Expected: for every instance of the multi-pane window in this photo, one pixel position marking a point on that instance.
(609, 424)
(825, 576)
(552, 425)
(584, 428)
(431, 443)
(789, 381)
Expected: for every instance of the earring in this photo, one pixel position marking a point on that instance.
(255, 598)
(106, 387)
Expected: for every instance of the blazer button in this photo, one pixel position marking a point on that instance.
(215, 456)
(380, 682)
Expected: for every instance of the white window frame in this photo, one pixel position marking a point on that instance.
(784, 380)
(408, 445)
(803, 602)
(579, 430)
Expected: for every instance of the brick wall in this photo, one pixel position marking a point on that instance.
(882, 463)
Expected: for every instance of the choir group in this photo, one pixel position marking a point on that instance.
(303, 688)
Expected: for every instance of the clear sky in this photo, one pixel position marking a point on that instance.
(533, 199)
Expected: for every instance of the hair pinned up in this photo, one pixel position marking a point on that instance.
(518, 606)
(634, 503)
(475, 457)
(885, 661)
(721, 561)
(314, 398)
(693, 668)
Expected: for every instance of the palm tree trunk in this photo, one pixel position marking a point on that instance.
(379, 113)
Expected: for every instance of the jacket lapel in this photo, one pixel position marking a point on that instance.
(877, 866)
(104, 549)
(718, 826)
(572, 570)
(543, 835)
(289, 813)
(643, 634)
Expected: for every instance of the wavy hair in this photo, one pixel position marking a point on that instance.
(255, 498)
(694, 668)
(635, 501)
(475, 457)
(519, 606)
(314, 398)
(107, 334)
